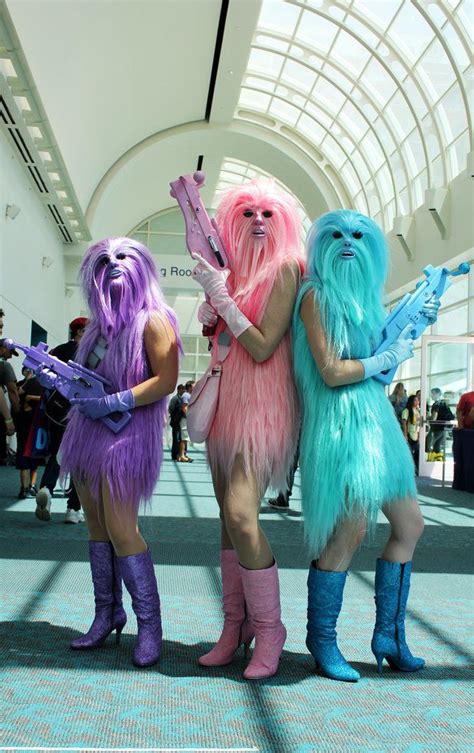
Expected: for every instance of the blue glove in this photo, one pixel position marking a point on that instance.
(399, 351)
(430, 310)
(97, 407)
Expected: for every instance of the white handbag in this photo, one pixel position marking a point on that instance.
(205, 395)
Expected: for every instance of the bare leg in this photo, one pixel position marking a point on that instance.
(23, 479)
(94, 514)
(219, 484)
(340, 549)
(241, 507)
(33, 477)
(109, 612)
(121, 525)
(407, 525)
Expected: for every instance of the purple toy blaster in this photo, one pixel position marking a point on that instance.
(70, 379)
(202, 235)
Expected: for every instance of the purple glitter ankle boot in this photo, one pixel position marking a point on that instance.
(109, 612)
(138, 574)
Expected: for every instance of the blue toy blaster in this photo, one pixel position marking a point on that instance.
(69, 379)
(409, 310)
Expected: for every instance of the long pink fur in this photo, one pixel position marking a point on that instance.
(258, 413)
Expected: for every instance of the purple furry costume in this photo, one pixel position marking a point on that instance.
(120, 284)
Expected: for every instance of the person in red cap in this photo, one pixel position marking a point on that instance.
(56, 408)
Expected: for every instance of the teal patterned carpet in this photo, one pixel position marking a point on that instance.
(57, 699)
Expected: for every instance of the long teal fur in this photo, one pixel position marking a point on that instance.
(353, 455)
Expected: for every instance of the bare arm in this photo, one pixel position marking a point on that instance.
(405, 428)
(5, 412)
(12, 390)
(460, 419)
(335, 371)
(162, 352)
(261, 341)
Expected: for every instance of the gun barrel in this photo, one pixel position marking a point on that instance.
(463, 269)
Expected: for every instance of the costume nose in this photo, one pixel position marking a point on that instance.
(259, 219)
(347, 243)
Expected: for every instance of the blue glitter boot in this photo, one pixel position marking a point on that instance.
(325, 591)
(392, 584)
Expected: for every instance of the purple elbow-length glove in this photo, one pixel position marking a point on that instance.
(98, 407)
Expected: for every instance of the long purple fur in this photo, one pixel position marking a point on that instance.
(129, 462)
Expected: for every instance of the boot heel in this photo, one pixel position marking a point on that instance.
(247, 650)
(379, 663)
(118, 633)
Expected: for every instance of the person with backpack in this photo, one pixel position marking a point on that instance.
(440, 413)
(175, 414)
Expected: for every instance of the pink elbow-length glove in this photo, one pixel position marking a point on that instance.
(97, 407)
(213, 283)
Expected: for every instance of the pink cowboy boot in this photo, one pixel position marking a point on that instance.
(262, 596)
(237, 626)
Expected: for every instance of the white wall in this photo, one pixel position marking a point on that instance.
(28, 291)
(427, 244)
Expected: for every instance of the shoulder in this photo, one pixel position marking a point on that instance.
(158, 327)
(308, 301)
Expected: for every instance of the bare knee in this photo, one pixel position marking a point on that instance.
(239, 523)
(350, 535)
(410, 527)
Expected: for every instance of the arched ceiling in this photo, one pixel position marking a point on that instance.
(357, 103)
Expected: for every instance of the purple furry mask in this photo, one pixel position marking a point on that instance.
(119, 280)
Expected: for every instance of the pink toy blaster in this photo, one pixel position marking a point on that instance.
(202, 235)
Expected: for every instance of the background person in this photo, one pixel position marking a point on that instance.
(8, 386)
(411, 428)
(57, 409)
(183, 424)
(29, 391)
(465, 411)
(175, 414)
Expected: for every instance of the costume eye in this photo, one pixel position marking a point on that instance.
(357, 235)
(337, 234)
(267, 213)
(248, 213)
(104, 261)
(121, 256)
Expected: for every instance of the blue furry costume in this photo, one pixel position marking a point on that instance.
(354, 457)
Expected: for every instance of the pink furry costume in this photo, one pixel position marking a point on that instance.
(257, 416)
(258, 413)
(120, 284)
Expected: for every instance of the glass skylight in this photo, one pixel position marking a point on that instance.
(377, 87)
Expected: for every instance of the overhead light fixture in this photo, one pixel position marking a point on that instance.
(12, 211)
(47, 261)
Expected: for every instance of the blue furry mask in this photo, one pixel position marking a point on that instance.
(347, 258)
